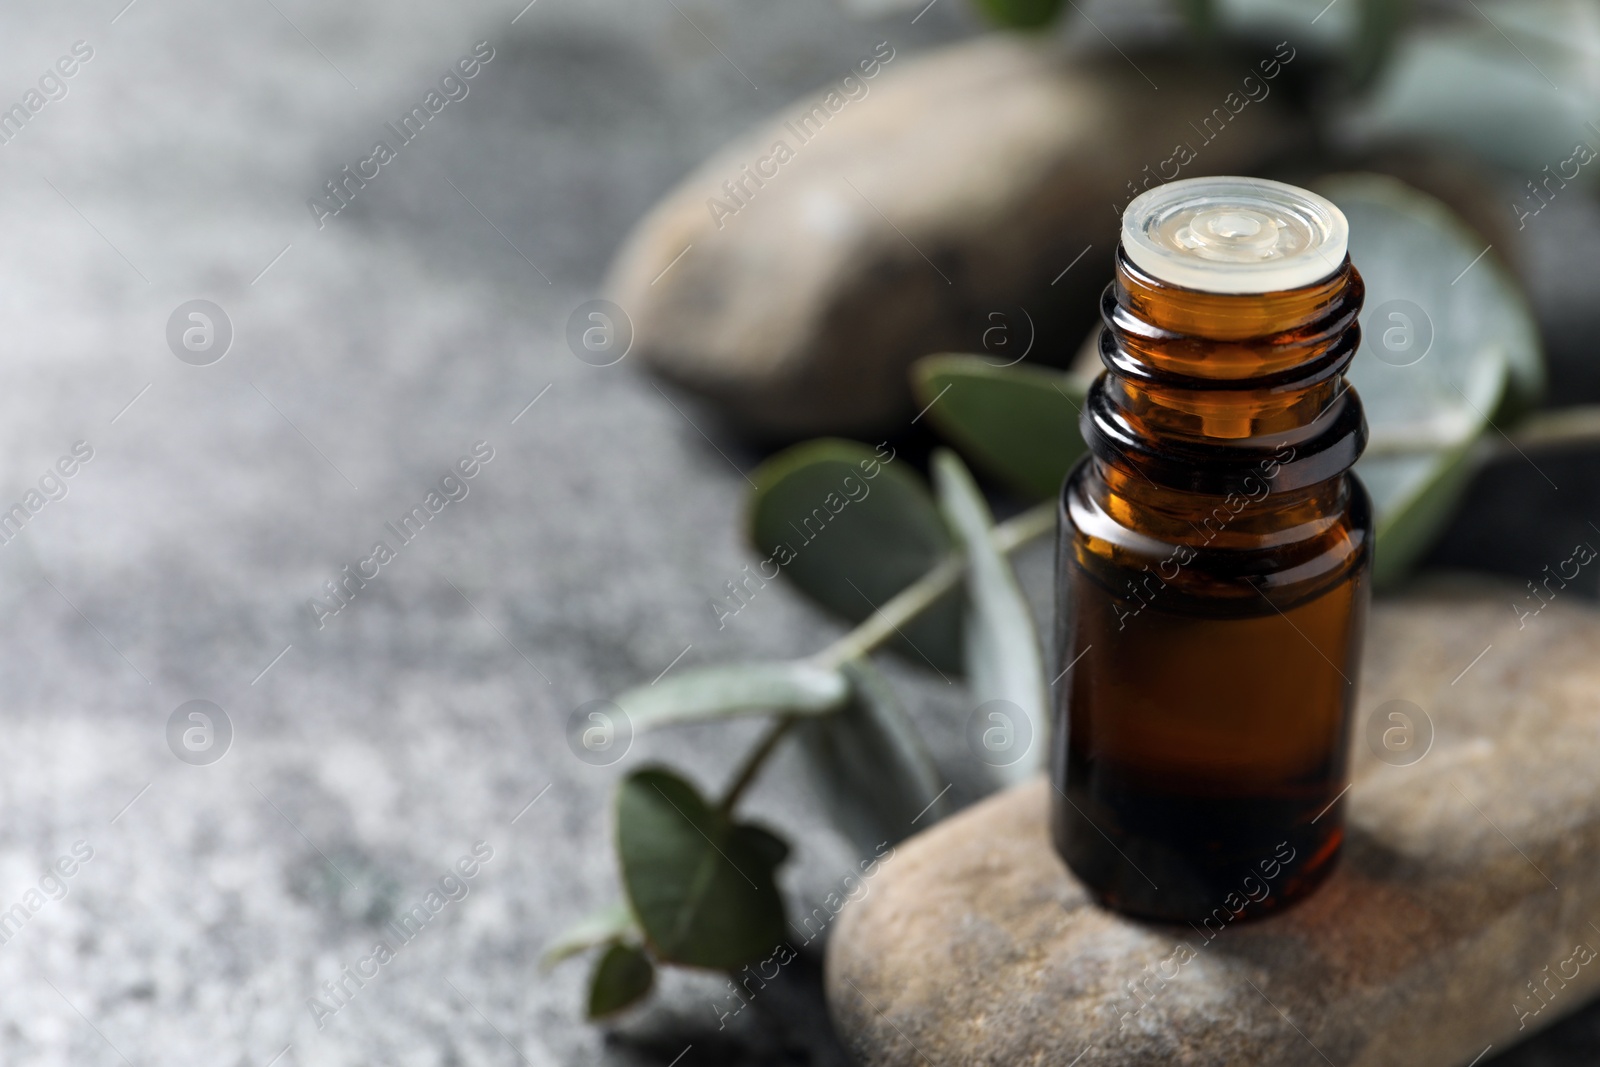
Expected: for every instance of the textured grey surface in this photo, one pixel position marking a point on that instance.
(367, 359)
(373, 354)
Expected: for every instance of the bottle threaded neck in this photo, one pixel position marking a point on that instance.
(1202, 389)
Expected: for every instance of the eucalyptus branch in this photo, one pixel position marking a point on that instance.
(923, 593)
(752, 762)
(895, 612)
(900, 609)
(1031, 525)
(1560, 428)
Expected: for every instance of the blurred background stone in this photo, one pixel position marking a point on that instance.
(963, 186)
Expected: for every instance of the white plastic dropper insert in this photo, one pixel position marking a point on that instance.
(1234, 235)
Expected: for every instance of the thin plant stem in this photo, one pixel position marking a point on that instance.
(752, 762)
(895, 612)
(1020, 529)
(898, 610)
(1558, 428)
(921, 594)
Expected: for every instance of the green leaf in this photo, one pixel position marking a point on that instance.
(852, 527)
(1021, 14)
(1378, 27)
(1422, 505)
(622, 976)
(702, 886)
(768, 847)
(870, 766)
(724, 692)
(1003, 656)
(609, 924)
(1509, 81)
(1428, 274)
(1199, 15)
(1018, 423)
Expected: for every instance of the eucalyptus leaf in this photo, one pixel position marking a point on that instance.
(1378, 29)
(702, 885)
(878, 9)
(870, 765)
(1323, 31)
(1018, 423)
(1004, 662)
(852, 526)
(793, 688)
(1021, 14)
(1199, 15)
(606, 926)
(1447, 344)
(1408, 526)
(1511, 81)
(622, 976)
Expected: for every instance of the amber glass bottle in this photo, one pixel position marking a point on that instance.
(1213, 560)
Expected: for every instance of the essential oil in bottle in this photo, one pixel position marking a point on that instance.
(1213, 560)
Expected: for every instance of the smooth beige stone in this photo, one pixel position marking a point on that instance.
(1464, 876)
(964, 183)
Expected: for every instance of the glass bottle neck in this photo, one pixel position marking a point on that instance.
(1213, 393)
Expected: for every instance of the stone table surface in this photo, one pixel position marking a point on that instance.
(368, 357)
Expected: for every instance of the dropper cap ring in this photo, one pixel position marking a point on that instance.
(1234, 235)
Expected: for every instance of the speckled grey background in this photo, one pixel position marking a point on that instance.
(368, 357)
